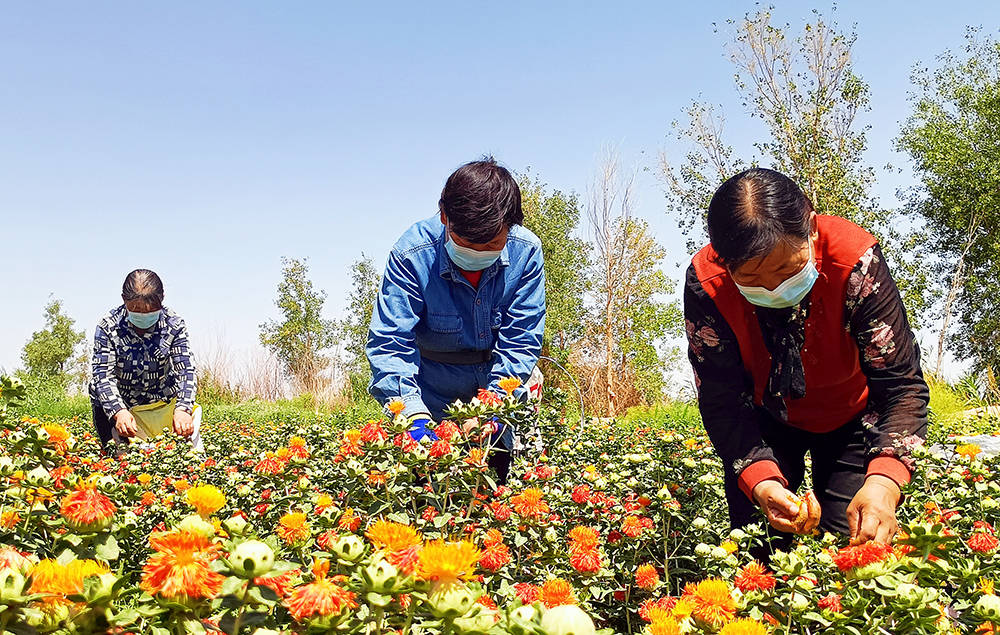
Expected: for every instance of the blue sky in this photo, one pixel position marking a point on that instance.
(207, 140)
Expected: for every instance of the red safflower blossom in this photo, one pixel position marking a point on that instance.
(270, 465)
(754, 577)
(527, 593)
(372, 432)
(446, 430)
(983, 542)
(429, 513)
(489, 398)
(406, 560)
(280, 584)
(485, 600)
(348, 521)
(85, 509)
(581, 494)
(501, 512)
(495, 553)
(830, 602)
(321, 598)
(585, 560)
(632, 526)
(439, 448)
(861, 555)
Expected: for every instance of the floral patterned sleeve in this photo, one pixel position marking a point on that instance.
(725, 391)
(890, 358)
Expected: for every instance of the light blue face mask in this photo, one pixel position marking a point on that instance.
(469, 259)
(788, 293)
(143, 320)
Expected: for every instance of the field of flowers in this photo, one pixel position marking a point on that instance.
(316, 527)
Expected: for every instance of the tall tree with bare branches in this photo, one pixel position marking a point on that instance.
(633, 317)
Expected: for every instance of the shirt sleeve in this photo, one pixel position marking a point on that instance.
(184, 370)
(519, 340)
(890, 359)
(103, 373)
(392, 347)
(725, 391)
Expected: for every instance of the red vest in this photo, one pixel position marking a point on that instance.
(836, 388)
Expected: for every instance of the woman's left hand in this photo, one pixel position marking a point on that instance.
(183, 423)
(872, 513)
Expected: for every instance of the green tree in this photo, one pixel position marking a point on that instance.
(804, 90)
(555, 218)
(953, 138)
(300, 338)
(365, 280)
(48, 352)
(633, 317)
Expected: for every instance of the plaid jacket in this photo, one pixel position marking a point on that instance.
(130, 369)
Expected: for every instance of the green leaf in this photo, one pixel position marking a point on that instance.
(106, 548)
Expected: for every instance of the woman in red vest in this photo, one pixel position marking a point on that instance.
(800, 343)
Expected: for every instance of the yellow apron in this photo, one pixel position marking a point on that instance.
(155, 418)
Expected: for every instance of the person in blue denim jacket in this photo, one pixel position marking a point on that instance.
(462, 303)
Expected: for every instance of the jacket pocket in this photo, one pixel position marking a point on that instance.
(444, 332)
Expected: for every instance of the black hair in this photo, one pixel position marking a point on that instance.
(145, 285)
(755, 210)
(480, 199)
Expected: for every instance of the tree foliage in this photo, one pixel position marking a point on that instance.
(365, 280)
(49, 352)
(300, 338)
(555, 218)
(953, 138)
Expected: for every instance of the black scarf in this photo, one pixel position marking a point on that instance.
(784, 332)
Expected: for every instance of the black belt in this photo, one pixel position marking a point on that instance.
(461, 358)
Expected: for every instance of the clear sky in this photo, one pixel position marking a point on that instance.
(207, 140)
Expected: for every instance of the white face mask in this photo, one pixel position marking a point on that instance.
(788, 293)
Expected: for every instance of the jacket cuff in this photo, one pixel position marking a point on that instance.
(756, 472)
(889, 467)
(414, 405)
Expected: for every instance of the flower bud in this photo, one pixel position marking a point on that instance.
(11, 585)
(988, 607)
(702, 549)
(196, 525)
(235, 525)
(568, 619)
(381, 576)
(349, 548)
(252, 559)
(454, 601)
(6, 466)
(38, 477)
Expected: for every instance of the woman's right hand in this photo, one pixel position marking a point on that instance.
(125, 424)
(786, 511)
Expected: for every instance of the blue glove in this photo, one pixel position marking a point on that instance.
(418, 429)
(500, 438)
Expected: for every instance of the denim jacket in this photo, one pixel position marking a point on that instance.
(426, 302)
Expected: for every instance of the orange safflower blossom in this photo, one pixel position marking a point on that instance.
(50, 576)
(509, 384)
(744, 626)
(556, 592)
(392, 536)
(58, 436)
(495, 553)
(292, 528)
(529, 503)
(646, 577)
(712, 601)
(321, 598)
(87, 510)
(180, 569)
(396, 406)
(445, 563)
